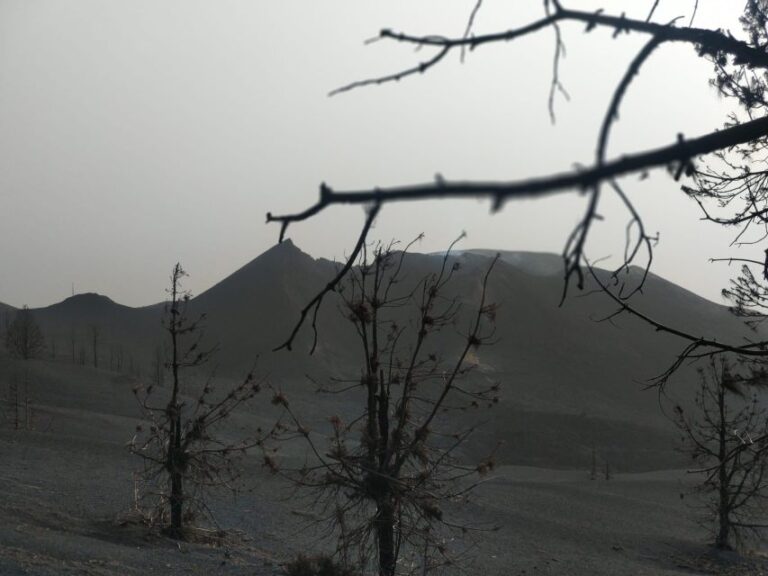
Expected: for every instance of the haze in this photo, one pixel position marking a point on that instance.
(136, 134)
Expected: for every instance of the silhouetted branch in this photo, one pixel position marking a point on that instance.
(707, 41)
(470, 23)
(695, 343)
(739, 72)
(574, 248)
(693, 14)
(499, 192)
(653, 9)
(314, 304)
(643, 239)
(682, 152)
(730, 260)
(418, 69)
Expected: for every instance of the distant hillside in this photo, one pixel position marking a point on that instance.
(571, 385)
(253, 310)
(534, 263)
(6, 308)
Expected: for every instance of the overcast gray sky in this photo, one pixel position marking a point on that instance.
(135, 133)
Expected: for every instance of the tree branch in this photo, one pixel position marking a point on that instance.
(314, 304)
(682, 151)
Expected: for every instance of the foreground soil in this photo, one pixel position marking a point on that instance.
(67, 484)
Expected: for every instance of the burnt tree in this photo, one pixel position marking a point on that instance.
(95, 333)
(386, 479)
(734, 481)
(182, 453)
(24, 339)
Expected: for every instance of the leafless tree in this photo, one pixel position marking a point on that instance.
(73, 343)
(385, 480)
(119, 358)
(6, 322)
(182, 454)
(732, 173)
(95, 338)
(134, 367)
(158, 365)
(734, 481)
(116, 358)
(24, 339)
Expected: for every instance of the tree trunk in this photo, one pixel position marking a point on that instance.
(723, 532)
(385, 535)
(722, 539)
(723, 508)
(177, 500)
(177, 479)
(175, 456)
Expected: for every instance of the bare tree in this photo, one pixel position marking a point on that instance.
(73, 343)
(133, 367)
(24, 339)
(158, 365)
(735, 481)
(95, 338)
(182, 455)
(119, 358)
(385, 480)
(6, 322)
(116, 358)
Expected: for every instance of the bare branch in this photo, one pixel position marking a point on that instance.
(314, 304)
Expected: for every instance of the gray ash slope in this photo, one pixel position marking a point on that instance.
(571, 386)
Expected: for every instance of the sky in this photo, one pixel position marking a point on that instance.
(138, 133)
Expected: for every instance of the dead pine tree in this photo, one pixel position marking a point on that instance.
(116, 358)
(384, 480)
(73, 344)
(25, 401)
(13, 402)
(720, 438)
(158, 365)
(183, 456)
(18, 401)
(95, 332)
(6, 323)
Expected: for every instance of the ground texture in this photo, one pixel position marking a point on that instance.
(67, 486)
